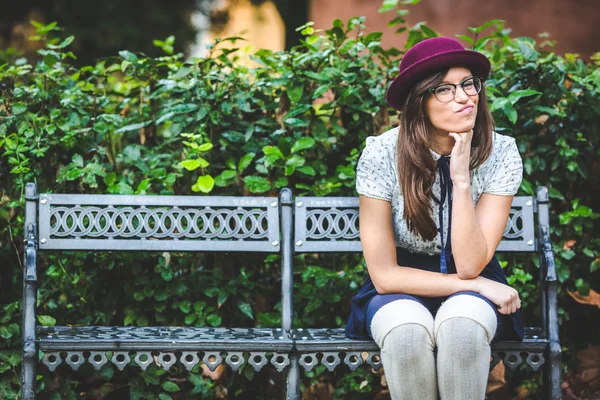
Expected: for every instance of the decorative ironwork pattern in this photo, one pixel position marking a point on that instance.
(514, 226)
(158, 223)
(80, 222)
(98, 338)
(331, 347)
(165, 360)
(331, 224)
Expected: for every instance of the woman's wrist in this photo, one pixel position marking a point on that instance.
(470, 285)
(461, 186)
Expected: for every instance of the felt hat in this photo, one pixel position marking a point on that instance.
(430, 56)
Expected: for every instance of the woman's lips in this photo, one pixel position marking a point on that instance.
(465, 110)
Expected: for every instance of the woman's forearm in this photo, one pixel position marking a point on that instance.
(398, 279)
(469, 246)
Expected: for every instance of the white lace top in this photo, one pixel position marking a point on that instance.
(376, 177)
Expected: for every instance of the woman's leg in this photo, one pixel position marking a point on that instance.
(403, 329)
(464, 327)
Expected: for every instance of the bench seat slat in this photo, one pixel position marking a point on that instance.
(314, 340)
(104, 338)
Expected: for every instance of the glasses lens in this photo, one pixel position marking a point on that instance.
(472, 86)
(444, 93)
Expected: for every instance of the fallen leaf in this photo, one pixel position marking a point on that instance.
(568, 83)
(593, 298)
(584, 383)
(496, 378)
(214, 375)
(541, 119)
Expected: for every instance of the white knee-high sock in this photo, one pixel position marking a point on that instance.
(464, 328)
(403, 329)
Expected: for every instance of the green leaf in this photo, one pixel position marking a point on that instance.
(554, 193)
(527, 187)
(170, 386)
(213, 320)
(281, 182)
(302, 144)
(127, 55)
(510, 112)
(388, 5)
(204, 184)
(466, 38)
(428, 31)
(205, 147)
(133, 127)
(246, 309)
(307, 170)
(164, 396)
(257, 184)
(46, 320)
(295, 161)
(194, 164)
(184, 306)
(245, 161)
(527, 47)
(273, 151)
(295, 92)
(519, 94)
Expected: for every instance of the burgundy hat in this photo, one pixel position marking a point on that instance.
(429, 56)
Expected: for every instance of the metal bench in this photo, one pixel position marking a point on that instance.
(330, 224)
(55, 222)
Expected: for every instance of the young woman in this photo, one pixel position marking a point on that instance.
(435, 195)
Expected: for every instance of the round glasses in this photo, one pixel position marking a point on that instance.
(446, 91)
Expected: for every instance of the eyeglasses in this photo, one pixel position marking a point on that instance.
(446, 91)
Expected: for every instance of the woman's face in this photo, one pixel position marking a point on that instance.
(457, 115)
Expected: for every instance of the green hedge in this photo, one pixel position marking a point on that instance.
(298, 119)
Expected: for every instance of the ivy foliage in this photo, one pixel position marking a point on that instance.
(133, 124)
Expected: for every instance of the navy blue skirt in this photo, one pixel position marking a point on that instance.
(510, 327)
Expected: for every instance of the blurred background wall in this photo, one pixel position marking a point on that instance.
(575, 24)
(102, 28)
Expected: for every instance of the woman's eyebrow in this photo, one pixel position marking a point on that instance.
(461, 81)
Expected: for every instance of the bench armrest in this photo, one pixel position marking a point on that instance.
(547, 255)
(545, 246)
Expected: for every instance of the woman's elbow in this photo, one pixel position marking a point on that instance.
(380, 285)
(467, 273)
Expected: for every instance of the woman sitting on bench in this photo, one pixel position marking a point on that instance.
(435, 195)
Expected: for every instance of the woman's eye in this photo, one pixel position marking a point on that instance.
(443, 89)
(467, 85)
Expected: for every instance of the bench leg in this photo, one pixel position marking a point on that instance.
(293, 379)
(554, 373)
(28, 371)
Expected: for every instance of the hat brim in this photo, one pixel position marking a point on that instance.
(477, 63)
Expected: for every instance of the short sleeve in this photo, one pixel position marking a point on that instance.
(506, 172)
(374, 174)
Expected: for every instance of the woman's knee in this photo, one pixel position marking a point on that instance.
(464, 313)
(413, 318)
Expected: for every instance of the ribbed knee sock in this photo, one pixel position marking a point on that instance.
(404, 331)
(464, 328)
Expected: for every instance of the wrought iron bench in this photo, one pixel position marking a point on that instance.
(56, 222)
(151, 223)
(329, 224)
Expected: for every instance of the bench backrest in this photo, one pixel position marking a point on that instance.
(158, 223)
(330, 224)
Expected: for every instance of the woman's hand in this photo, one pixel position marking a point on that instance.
(460, 158)
(506, 298)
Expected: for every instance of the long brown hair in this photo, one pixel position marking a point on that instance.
(416, 165)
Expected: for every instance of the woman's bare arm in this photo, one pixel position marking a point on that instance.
(476, 231)
(379, 249)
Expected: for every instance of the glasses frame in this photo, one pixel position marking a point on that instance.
(432, 89)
